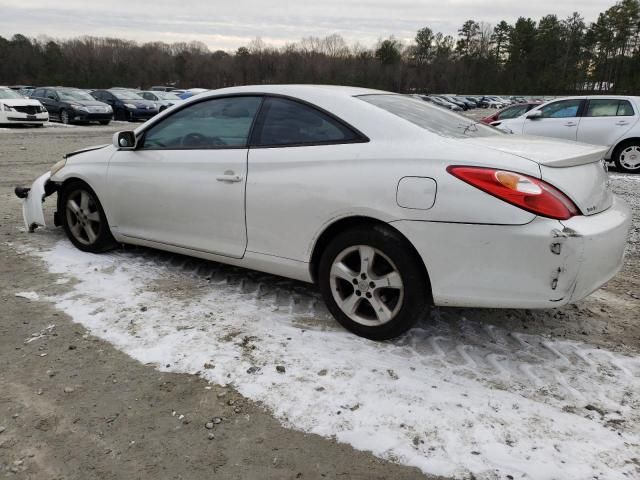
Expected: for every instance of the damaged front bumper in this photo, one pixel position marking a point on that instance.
(32, 200)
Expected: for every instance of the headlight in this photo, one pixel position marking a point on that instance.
(130, 105)
(57, 166)
(108, 108)
(79, 107)
(41, 109)
(7, 108)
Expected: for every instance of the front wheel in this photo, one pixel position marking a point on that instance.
(83, 219)
(65, 117)
(627, 157)
(373, 282)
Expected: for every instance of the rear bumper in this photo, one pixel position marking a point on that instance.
(545, 263)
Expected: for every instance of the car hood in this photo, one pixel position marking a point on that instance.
(87, 103)
(19, 102)
(550, 152)
(141, 103)
(87, 149)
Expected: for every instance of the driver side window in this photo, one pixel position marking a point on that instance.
(217, 123)
(561, 109)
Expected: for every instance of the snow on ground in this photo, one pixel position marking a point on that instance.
(454, 397)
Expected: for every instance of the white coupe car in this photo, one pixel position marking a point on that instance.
(18, 110)
(611, 121)
(388, 203)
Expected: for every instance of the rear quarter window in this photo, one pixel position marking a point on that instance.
(431, 118)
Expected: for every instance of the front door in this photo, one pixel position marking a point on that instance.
(184, 184)
(559, 119)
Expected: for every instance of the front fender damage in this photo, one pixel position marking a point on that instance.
(32, 200)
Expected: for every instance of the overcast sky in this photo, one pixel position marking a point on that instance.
(232, 23)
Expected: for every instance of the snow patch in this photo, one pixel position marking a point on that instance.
(452, 398)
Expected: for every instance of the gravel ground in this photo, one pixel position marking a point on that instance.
(72, 406)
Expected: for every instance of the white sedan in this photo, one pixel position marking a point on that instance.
(611, 121)
(388, 203)
(18, 110)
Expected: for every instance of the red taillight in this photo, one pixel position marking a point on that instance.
(525, 192)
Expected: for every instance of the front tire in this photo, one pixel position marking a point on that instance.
(83, 218)
(64, 117)
(627, 157)
(105, 122)
(373, 282)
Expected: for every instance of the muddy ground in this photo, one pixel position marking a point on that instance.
(72, 406)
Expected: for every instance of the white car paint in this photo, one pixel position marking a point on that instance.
(477, 249)
(16, 109)
(608, 131)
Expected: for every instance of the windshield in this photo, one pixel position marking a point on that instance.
(433, 119)
(75, 95)
(167, 96)
(7, 93)
(125, 95)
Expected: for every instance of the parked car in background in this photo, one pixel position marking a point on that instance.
(450, 212)
(15, 109)
(191, 92)
(127, 104)
(71, 105)
(468, 103)
(441, 102)
(160, 88)
(451, 99)
(492, 102)
(512, 111)
(163, 99)
(606, 120)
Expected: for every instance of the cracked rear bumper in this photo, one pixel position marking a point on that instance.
(543, 264)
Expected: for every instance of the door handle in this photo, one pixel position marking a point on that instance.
(622, 123)
(570, 124)
(229, 177)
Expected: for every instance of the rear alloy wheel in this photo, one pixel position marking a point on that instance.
(64, 117)
(84, 220)
(372, 282)
(627, 158)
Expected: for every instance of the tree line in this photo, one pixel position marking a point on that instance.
(551, 56)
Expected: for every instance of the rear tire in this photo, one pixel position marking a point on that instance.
(627, 157)
(83, 218)
(105, 122)
(373, 282)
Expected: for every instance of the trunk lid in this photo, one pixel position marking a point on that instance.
(576, 169)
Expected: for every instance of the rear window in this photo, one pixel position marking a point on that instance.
(434, 119)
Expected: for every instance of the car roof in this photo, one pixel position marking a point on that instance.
(300, 90)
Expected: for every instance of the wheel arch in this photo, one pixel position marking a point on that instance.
(620, 143)
(347, 223)
(71, 179)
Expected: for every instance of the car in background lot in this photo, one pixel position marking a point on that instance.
(163, 99)
(441, 102)
(191, 92)
(388, 203)
(512, 111)
(160, 88)
(15, 109)
(453, 100)
(127, 104)
(606, 120)
(71, 105)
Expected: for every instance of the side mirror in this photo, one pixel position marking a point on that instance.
(124, 140)
(535, 115)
